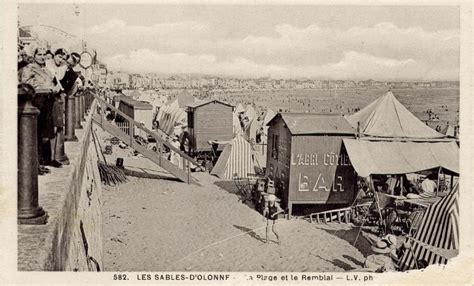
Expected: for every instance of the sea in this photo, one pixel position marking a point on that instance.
(443, 103)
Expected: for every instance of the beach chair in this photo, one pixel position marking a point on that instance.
(414, 221)
(243, 188)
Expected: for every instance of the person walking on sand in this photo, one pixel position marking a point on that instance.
(271, 212)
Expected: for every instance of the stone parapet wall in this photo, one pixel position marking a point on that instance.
(72, 197)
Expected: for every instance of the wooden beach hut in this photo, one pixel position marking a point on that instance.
(209, 120)
(140, 111)
(307, 161)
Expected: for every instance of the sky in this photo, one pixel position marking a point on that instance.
(251, 41)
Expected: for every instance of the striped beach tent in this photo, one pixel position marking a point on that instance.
(437, 239)
(237, 158)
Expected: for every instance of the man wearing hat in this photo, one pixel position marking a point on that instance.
(271, 212)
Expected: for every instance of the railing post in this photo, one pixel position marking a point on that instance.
(60, 152)
(189, 170)
(77, 111)
(161, 152)
(101, 115)
(88, 100)
(29, 211)
(82, 106)
(130, 129)
(70, 121)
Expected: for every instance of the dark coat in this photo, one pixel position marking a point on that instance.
(70, 77)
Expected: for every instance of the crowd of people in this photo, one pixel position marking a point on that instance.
(51, 74)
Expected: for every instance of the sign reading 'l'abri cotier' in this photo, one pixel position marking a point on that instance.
(316, 159)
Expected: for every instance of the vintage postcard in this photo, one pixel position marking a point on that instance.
(236, 143)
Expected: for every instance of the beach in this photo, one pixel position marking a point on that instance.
(156, 223)
(165, 225)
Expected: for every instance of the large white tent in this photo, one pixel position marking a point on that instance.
(387, 117)
(394, 141)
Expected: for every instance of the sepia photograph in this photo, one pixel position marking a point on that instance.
(190, 142)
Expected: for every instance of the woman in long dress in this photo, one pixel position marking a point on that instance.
(39, 77)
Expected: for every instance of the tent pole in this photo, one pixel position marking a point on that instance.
(401, 185)
(358, 129)
(451, 183)
(437, 189)
(377, 203)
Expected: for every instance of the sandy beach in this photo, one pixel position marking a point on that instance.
(165, 225)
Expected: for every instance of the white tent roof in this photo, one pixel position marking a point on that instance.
(236, 124)
(239, 108)
(387, 117)
(250, 112)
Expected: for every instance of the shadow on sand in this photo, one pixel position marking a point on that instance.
(249, 232)
(341, 264)
(350, 236)
(143, 173)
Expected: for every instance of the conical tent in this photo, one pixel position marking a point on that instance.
(236, 124)
(239, 109)
(169, 116)
(269, 114)
(237, 159)
(387, 117)
(185, 98)
(252, 128)
(135, 94)
(175, 112)
(250, 113)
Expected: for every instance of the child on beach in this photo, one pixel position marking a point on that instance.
(271, 212)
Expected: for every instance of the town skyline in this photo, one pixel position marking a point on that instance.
(119, 79)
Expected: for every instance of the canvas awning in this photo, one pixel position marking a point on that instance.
(369, 157)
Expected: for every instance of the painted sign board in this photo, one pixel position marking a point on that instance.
(320, 171)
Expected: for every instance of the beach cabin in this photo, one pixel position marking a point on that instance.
(140, 111)
(209, 120)
(307, 161)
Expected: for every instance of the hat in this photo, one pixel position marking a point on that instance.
(385, 244)
(33, 47)
(272, 198)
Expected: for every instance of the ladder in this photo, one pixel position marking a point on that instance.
(126, 135)
(338, 215)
